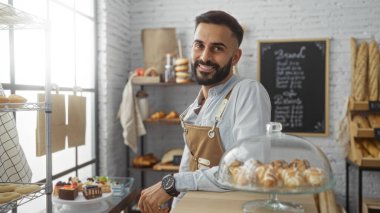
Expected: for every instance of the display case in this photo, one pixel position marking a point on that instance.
(275, 163)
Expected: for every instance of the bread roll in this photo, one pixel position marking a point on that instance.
(299, 165)
(361, 66)
(314, 176)
(16, 99)
(3, 100)
(373, 71)
(292, 178)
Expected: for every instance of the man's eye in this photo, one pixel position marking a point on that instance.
(217, 49)
(198, 46)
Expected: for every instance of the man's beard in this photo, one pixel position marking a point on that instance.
(215, 77)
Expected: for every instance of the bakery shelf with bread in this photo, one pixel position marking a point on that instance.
(17, 194)
(364, 125)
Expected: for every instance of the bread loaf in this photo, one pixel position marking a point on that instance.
(359, 81)
(360, 121)
(373, 71)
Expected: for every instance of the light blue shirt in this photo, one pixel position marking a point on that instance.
(246, 114)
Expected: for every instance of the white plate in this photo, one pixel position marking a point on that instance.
(81, 200)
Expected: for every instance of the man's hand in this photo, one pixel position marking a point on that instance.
(151, 199)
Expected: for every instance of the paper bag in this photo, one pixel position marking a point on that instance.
(157, 43)
(13, 164)
(58, 125)
(76, 127)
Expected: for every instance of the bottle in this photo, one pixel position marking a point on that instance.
(168, 68)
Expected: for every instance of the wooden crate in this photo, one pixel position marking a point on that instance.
(356, 156)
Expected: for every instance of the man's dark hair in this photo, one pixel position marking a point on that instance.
(221, 18)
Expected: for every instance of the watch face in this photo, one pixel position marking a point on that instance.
(168, 182)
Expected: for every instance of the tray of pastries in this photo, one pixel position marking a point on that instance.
(275, 163)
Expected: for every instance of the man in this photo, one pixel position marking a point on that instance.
(227, 111)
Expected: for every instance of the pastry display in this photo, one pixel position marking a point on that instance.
(3, 100)
(172, 115)
(57, 187)
(275, 163)
(157, 115)
(146, 160)
(74, 181)
(181, 67)
(278, 173)
(162, 115)
(16, 99)
(68, 192)
(92, 191)
(104, 184)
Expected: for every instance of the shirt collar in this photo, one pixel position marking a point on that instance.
(222, 88)
(217, 90)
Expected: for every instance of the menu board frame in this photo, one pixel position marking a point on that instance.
(322, 130)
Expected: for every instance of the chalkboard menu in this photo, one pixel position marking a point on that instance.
(295, 74)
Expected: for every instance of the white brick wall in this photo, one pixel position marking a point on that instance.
(114, 63)
(335, 19)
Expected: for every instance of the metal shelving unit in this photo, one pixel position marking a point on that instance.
(12, 18)
(22, 200)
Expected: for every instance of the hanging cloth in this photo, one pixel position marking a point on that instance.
(13, 164)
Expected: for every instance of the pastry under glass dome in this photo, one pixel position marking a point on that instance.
(275, 163)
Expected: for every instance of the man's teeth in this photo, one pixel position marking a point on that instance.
(205, 68)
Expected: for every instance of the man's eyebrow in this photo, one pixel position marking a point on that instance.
(214, 43)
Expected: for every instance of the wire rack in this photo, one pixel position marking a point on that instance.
(11, 17)
(5, 207)
(12, 107)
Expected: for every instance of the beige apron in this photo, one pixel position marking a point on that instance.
(204, 142)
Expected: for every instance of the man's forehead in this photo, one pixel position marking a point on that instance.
(213, 33)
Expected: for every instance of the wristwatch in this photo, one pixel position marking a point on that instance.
(168, 184)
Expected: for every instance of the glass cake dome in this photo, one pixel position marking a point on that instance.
(275, 163)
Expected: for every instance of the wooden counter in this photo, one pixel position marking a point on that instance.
(229, 202)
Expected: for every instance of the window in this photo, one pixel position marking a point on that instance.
(72, 64)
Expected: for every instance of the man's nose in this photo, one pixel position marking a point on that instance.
(206, 55)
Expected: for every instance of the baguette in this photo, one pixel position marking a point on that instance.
(354, 51)
(361, 66)
(374, 120)
(361, 121)
(371, 148)
(373, 71)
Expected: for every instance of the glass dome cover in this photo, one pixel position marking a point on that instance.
(275, 163)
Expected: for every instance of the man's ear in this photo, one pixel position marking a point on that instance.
(236, 57)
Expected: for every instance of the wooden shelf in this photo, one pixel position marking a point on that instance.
(174, 121)
(150, 169)
(165, 84)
